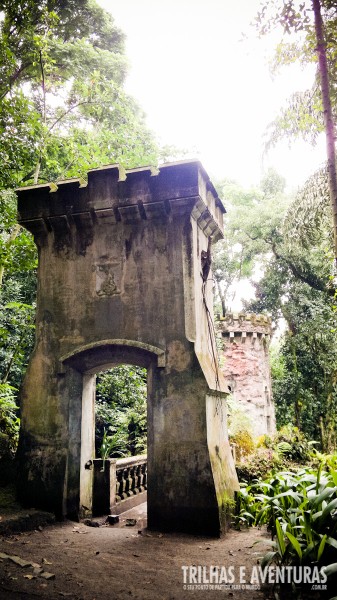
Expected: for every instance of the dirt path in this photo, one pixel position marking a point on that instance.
(123, 562)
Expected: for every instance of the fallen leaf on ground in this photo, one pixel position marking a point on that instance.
(19, 561)
(46, 575)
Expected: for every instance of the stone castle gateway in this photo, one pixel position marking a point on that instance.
(123, 278)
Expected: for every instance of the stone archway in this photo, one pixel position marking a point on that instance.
(88, 360)
(124, 274)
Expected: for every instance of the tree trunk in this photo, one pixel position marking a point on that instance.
(37, 172)
(222, 297)
(328, 118)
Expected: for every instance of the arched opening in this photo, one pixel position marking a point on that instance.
(110, 470)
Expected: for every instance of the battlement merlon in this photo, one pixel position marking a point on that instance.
(113, 194)
(244, 323)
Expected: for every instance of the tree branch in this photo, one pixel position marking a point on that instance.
(69, 110)
(298, 274)
(14, 77)
(43, 87)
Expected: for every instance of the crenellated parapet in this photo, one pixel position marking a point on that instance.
(72, 208)
(245, 328)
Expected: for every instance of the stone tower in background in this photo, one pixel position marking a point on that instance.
(245, 339)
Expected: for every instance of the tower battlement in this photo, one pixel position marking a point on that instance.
(247, 326)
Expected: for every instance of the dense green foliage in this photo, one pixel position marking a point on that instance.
(286, 449)
(63, 106)
(252, 227)
(239, 429)
(9, 421)
(121, 404)
(299, 509)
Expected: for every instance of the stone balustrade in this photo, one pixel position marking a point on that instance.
(131, 477)
(118, 484)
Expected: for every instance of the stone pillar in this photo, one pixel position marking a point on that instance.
(123, 278)
(246, 367)
(104, 486)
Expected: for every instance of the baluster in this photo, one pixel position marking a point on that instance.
(119, 485)
(128, 482)
(134, 480)
(131, 479)
(144, 471)
(139, 478)
(124, 482)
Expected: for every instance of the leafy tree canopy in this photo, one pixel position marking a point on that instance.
(63, 106)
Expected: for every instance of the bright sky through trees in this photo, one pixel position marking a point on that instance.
(205, 90)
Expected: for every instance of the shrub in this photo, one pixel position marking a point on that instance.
(258, 465)
(239, 429)
(300, 510)
(9, 420)
(293, 444)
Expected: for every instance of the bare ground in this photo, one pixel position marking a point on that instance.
(123, 562)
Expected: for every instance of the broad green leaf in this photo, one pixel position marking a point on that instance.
(268, 558)
(307, 527)
(321, 547)
(328, 509)
(318, 476)
(330, 569)
(280, 538)
(323, 495)
(330, 540)
(294, 543)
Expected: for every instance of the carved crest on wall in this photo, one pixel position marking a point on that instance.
(105, 281)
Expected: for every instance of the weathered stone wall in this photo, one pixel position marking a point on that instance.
(246, 367)
(121, 281)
